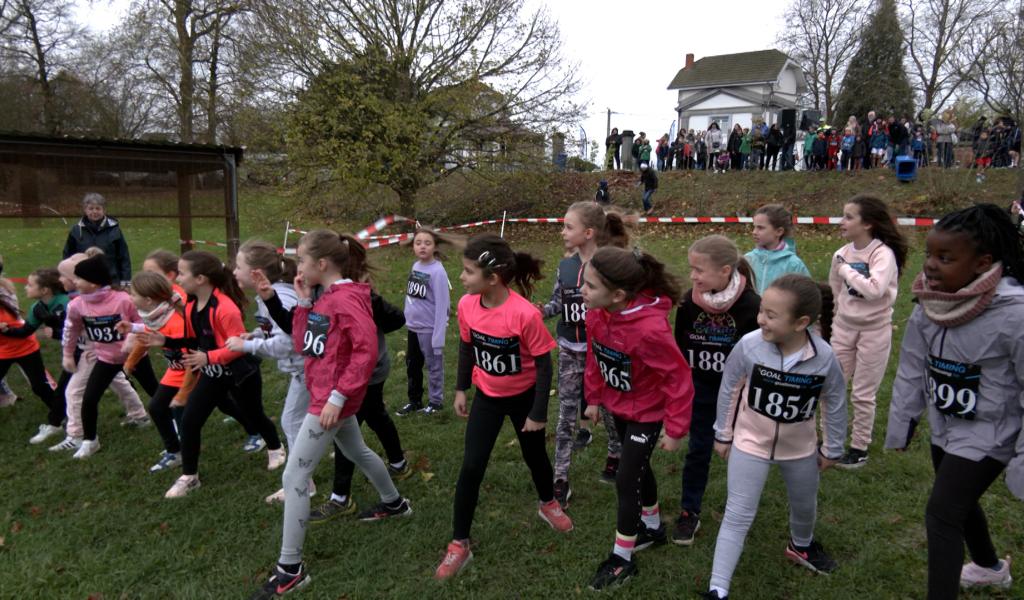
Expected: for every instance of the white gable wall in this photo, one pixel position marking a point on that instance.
(721, 101)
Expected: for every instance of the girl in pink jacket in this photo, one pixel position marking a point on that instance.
(863, 281)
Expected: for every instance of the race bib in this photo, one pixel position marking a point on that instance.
(861, 268)
(953, 387)
(574, 311)
(266, 325)
(314, 341)
(215, 371)
(496, 355)
(417, 285)
(784, 397)
(616, 367)
(709, 342)
(173, 358)
(101, 329)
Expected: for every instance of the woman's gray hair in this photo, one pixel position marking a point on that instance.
(94, 198)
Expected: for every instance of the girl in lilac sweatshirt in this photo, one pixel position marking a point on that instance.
(426, 315)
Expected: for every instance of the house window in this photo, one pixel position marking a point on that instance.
(724, 122)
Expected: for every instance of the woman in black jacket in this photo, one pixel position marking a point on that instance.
(97, 229)
(774, 143)
(735, 140)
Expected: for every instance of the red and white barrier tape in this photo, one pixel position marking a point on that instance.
(203, 243)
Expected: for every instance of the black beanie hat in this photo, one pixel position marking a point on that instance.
(94, 270)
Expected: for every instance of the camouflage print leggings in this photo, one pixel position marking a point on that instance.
(570, 395)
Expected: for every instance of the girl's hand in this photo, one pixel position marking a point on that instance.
(45, 330)
(722, 449)
(124, 327)
(301, 289)
(176, 402)
(153, 339)
(460, 404)
(669, 444)
(235, 344)
(263, 287)
(195, 360)
(824, 463)
(593, 412)
(68, 364)
(532, 425)
(329, 416)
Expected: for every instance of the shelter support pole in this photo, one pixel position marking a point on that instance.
(185, 210)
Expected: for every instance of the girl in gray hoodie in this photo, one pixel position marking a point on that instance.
(962, 359)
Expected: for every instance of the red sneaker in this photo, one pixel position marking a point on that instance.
(554, 515)
(456, 559)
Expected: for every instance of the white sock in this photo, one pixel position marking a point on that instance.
(399, 464)
(338, 499)
(651, 517)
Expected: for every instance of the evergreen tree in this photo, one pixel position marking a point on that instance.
(876, 79)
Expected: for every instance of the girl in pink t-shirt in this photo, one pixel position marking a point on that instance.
(504, 351)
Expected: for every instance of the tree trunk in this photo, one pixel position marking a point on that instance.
(212, 85)
(407, 202)
(186, 84)
(50, 123)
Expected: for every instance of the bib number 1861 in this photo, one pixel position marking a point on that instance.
(496, 355)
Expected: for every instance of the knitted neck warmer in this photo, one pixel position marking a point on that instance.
(954, 309)
(722, 301)
(158, 317)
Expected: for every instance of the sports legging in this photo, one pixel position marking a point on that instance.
(99, 380)
(486, 416)
(635, 485)
(32, 365)
(376, 416)
(213, 392)
(953, 516)
(163, 417)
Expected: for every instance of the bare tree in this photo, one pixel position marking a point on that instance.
(37, 36)
(938, 35)
(821, 36)
(997, 75)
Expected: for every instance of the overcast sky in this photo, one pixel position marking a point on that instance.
(628, 51)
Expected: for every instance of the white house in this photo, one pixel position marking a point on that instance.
(736, 88)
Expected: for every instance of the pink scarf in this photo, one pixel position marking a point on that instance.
(720, 302)
(954, 309)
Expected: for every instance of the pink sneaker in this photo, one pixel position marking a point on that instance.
(971, 575)
(553, 514)
(456, 559)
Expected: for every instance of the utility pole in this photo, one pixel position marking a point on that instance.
(608, 125)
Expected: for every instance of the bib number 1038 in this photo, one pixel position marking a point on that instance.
(314, 340)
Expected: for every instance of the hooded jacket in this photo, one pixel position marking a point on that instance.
(339, 340)
(769, 412)
(96, 315)
(977, 373)
(634, 369)
(269, 340)
(769, 265)
(863, 284)
(105, 235)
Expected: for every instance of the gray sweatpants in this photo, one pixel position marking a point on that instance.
(296, 406)
(310, 446)
(570, 397)
(746, 478)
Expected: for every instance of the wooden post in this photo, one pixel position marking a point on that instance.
(231, 205)
(28, 180)
(185, 210)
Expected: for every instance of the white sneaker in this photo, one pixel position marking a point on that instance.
(45, 431)
(275, 498)
(168, 460)
(276, 458)
(971, 575)
(69, 443)
(88, 448)
(181, 487)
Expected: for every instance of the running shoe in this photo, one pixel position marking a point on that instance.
(432, 409)
(687, 526)
(455, 560)
(281, 583)
(87, 449)
(971, 575)
(853, 459)
(648, 537)
(611, 470)
(400, 508)
(712, 595)
(563, 493)
(812, 557)
(136, 422)
(183, 486)
(554, 516)
(45, 431)
(168, 460)
(331, 509)
(613, 572)
(409, 409)
(69, 443)
(583, 439)
(254, 443)
(400, 473)
(276, 458)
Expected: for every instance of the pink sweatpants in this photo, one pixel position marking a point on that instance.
(863, 356)
(76, 389)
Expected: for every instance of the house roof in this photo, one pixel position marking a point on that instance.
(731, 69)
(740, 94)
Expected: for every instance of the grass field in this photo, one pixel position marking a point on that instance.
(101, 528)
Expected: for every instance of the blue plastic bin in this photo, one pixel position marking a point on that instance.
(906, 168)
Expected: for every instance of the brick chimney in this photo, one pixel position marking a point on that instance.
(689, 61)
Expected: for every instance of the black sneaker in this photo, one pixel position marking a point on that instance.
(612, 572)
(648, 537)
(400, 473)
(331, 509)
(562, 493)
(711, 595)
(687, 526)
(432, 409)
(409, 409)
(853, 459)
(812, 557)
(402, 508)
(611, 469)
(281, 583)
(583, 439)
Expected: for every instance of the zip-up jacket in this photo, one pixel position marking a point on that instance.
(338, 338)
(96, 315)
(225, 321)
(970, 378)
(14, 346)
(105, 235)
(567, 303)
(41, 313)
(269, 340)
(769, 412)
(863, 285)
(769, 265)
(634, 369)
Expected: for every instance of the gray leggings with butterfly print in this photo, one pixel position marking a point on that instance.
(309, 447)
